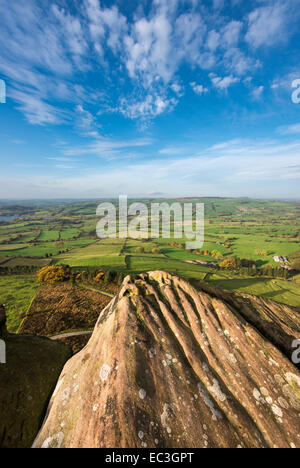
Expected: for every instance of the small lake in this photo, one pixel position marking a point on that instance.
(7, 218)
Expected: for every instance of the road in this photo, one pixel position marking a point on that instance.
(70, 335)
(97, 291)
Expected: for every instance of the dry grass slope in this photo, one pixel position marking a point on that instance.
(61, 307)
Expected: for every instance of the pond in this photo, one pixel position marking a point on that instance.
(7, 218)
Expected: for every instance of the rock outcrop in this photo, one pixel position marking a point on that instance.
(27, 381)
(169, 365)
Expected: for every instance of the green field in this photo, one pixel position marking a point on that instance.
(99, 253)
(255, 230)
(16, 293)
(8, 248)
(48, 235)
(286, 292)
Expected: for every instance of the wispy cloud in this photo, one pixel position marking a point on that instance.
(257, 92)
(198, 88)
(231, 168)
(37, 110)
(292, 129)
(272, 24)
(223, 83)
(18, 142)
(107, 148)
(47, 53)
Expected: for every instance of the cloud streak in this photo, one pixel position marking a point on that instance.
(239, 167)
(46, 54)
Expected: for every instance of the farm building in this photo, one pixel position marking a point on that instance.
(279, 259)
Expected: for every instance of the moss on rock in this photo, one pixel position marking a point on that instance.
(27, 381)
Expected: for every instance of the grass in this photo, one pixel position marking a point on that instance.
(97, 254)
(17, 292)
(286, 292)
(9, 247)
(60, 307)
(69, 233)
(69, 238)
(23, 261)
(48, 235)
(101, 261)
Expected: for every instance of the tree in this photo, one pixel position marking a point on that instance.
(231, 263)
(248, 263)
(217, 254)
(54, 274)
(99, 277)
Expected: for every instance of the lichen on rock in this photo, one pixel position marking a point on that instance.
(194, 368)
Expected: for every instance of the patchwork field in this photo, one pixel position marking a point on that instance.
(100, 253)
(65, 234)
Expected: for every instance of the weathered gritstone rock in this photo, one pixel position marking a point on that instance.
(2, 321)
(27, 381)
(171, 366)
(277, 322)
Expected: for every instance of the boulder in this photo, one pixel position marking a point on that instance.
(27, 381)
(170, 365)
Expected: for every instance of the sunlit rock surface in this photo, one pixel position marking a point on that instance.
(172, 366)
(27, 381)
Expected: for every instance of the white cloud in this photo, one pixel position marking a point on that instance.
(223, 83)
(178, 89)
(232, 168)
(105, 23)
(269, 25)
(37, 111)
(213, 40)
(72, 31)
(152, 106)
(258, 92)
(289, 129)
(85, 119)
(106, 148)
(231, 33)
(46, 57)
(198, 89)
(236, 61)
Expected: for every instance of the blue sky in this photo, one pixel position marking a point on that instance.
(149, 98)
